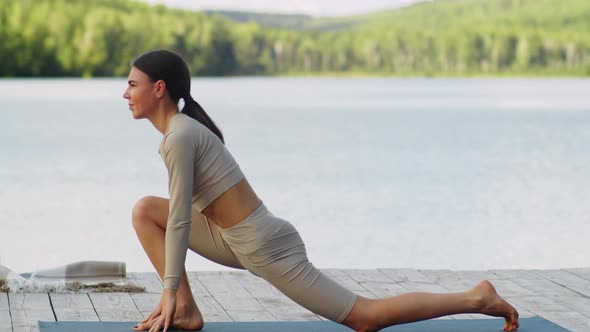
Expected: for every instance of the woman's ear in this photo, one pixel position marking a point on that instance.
(160, 88)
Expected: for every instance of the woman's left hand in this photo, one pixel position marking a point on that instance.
(168, 302)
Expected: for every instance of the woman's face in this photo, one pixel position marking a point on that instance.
(140, 93)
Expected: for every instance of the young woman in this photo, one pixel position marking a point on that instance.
(214, 211)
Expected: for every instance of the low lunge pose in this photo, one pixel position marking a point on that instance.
(214, 211)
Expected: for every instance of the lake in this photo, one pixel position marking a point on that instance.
(375, 172)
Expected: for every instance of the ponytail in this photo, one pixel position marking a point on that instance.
(193, 109)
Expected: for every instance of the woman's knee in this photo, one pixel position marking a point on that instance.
(143, 211)
(364, 316)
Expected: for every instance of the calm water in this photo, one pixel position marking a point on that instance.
(460, 174)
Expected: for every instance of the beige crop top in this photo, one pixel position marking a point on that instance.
(200, 169)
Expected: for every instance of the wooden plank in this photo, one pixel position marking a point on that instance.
(80, 315)
(346, 281)
(146, 302)
(29, 317)
(435, 275)
(384, 289)
(455, 284)
(84, 315)
(375, 281)
(561, 276)
(26, 329)
(29, 301)
(211, 310)
(567, 280)
(76, 307)
(361, 276)
(477, 276)
(62, 301)
(28, 308)
(149, 280)
(239, 304)
(462, 279)
(539, 305)
(400, 275)
(546, 288)
(411, 286)
(115, 307)
(4, 301)
(574, 321)
(516, 274)
(5, 320)
(577, 304)
(278, 304)
(583, 272)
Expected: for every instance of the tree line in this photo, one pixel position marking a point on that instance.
(54, 38)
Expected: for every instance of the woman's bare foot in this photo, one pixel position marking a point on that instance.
(493, 305)
(185, 317)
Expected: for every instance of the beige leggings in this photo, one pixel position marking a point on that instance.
(271, 248)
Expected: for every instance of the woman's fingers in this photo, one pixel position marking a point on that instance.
(157, 324)
(154, 313)
(148, 318)
(145, 326)
(166, 323)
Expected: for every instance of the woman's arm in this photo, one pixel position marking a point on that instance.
(179, 157)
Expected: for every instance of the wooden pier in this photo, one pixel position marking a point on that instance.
(561, 296)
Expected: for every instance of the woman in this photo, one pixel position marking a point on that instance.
(214, 211)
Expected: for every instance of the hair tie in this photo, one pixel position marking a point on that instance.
(188, 98)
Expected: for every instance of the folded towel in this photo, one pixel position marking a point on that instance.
(85, 269)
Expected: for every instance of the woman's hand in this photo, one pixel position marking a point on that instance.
(163, 316)
(168, 303)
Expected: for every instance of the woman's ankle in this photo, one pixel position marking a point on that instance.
(186, 306)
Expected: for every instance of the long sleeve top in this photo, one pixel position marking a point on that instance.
(200, 169)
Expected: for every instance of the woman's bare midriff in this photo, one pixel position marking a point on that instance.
(233, 206)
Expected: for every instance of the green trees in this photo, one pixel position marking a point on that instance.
(444, 37)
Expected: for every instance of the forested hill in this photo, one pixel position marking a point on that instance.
(439, 38)
(549, 16)
(290, 21)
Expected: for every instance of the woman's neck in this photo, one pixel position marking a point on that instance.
(162, 116)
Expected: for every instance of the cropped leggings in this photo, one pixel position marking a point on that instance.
(271, 248)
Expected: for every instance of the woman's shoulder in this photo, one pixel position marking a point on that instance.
(183, 126)
(183, 122)
(184, 130)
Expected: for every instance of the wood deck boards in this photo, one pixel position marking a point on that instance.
(562, 296)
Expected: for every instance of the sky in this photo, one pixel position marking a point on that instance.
(311, 7)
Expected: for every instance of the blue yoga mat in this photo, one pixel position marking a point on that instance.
(536, 324)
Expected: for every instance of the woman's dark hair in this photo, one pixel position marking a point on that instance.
(172, 69)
